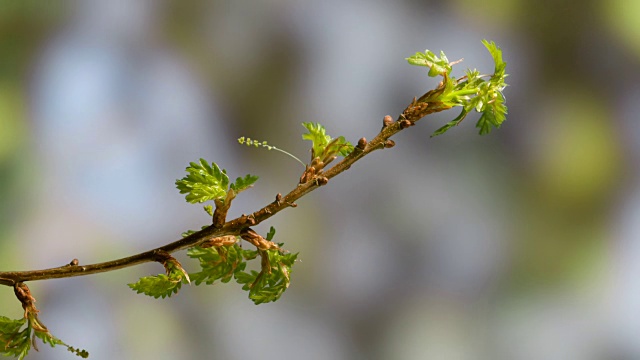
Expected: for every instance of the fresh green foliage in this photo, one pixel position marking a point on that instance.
(271, 233)
(208, 209)
(244, 183)
(190, 232)
(13, 341)
(219, 263)
(16, 341)
(204, 182)
(438, 66)
(471, 91)
(224, 263)
(163, 285)
(324, 146)
(160, 285)
(268, 284)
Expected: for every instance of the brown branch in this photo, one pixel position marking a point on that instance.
(414, 112)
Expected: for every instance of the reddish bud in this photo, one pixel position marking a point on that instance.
(322, 180)
(362, 143)
(405, 124)
(387, 120)
(389, 143)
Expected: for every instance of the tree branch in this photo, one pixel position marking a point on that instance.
(414, 112)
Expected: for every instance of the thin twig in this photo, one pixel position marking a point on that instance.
(413, 112)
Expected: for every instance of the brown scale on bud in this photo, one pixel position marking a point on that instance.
(247, 220)
(322, 180)
(389, 144)
(278, 199)
(161, 256)
(74, 262)
(329, 159)
(308, 174)
(405, 124)
(227, 240)
(387, 120)
(362, 143)
(256, 240)
(315, 161)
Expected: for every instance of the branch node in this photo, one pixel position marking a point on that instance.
(26, 299)
(406, 123)
(322, 180)
(309, 172)
(257, 240)
(389, 144)
(226, 240)
(220, 213)
(161, 256)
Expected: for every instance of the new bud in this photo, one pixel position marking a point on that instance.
(362, 143)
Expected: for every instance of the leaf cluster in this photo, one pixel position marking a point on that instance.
(471, 91)
(205, 182)
(160, 285)
(219, 263)
(272, 280)
(223, 263)
(16, 339)
(324, 146)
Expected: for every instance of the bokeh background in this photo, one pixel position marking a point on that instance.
(524, 244)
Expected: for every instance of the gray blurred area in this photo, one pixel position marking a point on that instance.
(524, 244)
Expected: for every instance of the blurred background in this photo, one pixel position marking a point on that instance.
(524, 244)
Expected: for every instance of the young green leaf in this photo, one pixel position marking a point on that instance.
(471, 92)
(217, 263)
(190, 232)
(339, 146)
(494, 114)
(208, 209)
(317, 134)
(271, 233)
(450, 124)
(272, 281)
(323, 145)
(496, 54)
(204, 182)
(244, 183)
(159, 285)
(16, 342)
(437, 65)
(13, 341)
